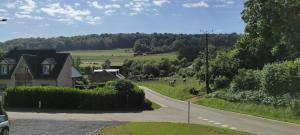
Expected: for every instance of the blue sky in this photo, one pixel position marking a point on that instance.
(52, 18)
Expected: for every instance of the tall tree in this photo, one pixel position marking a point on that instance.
(272, 32)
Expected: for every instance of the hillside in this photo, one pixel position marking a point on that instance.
(156, 43)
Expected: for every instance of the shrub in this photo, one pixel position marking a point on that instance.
(122, 85)
(69, 98)
(221, 82)
(193, 91)
(295, 106)
(276, 79)
(246, 80)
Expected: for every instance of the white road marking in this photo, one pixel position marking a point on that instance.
(205, 119)
(217, 123)
(224, 125)
(211, 121)
(199, 117)
(233, 128)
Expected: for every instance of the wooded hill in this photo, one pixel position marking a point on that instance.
(154, 43)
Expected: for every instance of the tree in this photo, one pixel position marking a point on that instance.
(77, 63)
(106, 64)
(272, 32)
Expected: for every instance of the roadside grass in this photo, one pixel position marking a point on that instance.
(179, 91)
(265, 111)
(117, 56)
(155, 106)
(150, 128)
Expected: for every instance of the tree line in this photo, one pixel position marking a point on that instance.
(141, 42)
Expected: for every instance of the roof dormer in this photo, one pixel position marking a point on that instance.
(48, 65)
(6, 66)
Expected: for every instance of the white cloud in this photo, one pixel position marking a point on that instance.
(138, 6)
(77, 4)
(94, 20)
(228, 2)
(25, 16)
(97, 5)
(110, 12)
(160, 2)
(224, 3)
(66, 11)
(69, 15)
(11, 5)
(196, 4)
(28, 7)
(3, 10)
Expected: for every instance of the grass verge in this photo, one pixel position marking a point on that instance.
(265, 111)
(150, 128)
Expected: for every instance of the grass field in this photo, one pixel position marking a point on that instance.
(117, 56)
(179, 91)
(167, 129)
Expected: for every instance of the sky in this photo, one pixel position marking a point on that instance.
(53, 18)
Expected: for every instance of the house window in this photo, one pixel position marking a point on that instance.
(3, 86)
(4, 69)
(46, 69)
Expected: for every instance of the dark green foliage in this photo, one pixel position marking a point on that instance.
(258, 97)
(221, 82)
(271, 34)
(246, 80)
(186, 72)
(193, 91)
(150, 43)
(295, 106)
(224, 64)
(69, 98)
(148, 68)
(122, 85)
(106, 64)
(276, 79)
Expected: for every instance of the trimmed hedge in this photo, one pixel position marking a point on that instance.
(70, 98)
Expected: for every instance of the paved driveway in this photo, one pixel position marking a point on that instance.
(172, 111)
(52, 127)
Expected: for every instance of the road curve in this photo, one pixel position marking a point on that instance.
(209, 116)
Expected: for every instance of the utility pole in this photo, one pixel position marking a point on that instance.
(206, 65)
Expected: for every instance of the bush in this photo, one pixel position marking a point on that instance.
(276, 79)
(221, 82)
(246, 80)
(295, 106)
(69, 98)
(122, 85)
(193, 91)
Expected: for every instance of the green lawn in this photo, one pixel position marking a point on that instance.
(117, 56)
(167, 129)
(179, 91)
(265, 111)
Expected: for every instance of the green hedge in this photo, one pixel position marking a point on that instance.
(70, 98)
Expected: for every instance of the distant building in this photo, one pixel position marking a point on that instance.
(104, 75)
(36, 68)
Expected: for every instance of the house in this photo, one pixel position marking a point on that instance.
(104, 75)
(36, 68)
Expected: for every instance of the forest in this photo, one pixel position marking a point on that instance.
(142, 43)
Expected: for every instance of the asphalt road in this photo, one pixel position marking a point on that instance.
(60, 122)
(51, 127)
(236, 121)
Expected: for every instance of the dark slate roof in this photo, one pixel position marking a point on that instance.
(34, 59)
